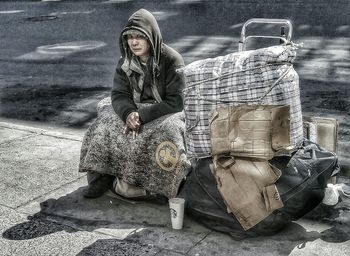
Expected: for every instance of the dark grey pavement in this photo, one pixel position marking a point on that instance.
(56, 62)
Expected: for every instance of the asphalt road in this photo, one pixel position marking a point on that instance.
(57, 58)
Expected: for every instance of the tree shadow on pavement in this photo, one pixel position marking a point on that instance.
(146, 226)
(73, 212)
(107, 247)
(52, 103)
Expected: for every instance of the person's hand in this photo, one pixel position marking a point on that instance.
(126, 130)
(132, 123)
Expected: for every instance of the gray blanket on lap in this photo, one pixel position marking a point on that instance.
(156, 160)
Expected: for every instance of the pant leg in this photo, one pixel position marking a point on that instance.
(91, 176)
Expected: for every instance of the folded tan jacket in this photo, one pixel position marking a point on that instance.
(247, 188)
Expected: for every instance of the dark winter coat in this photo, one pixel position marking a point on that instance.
(163, 83)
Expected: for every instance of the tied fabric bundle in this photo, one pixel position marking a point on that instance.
(263, 76)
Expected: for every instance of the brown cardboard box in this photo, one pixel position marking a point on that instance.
(323, 131)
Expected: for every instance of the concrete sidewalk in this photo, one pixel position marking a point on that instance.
(43, 212)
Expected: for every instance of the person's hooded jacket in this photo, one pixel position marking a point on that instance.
(162, 84)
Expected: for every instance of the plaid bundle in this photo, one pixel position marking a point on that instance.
(262, 76)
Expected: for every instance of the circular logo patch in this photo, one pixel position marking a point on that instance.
(167, 155)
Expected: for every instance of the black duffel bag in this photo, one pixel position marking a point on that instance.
(304, 177)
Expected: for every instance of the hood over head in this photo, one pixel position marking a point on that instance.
(143, 21)
(133, 32)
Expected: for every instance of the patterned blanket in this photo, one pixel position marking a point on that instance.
(156, 160)
(263, 76)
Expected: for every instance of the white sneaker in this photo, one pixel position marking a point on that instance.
(331, 193)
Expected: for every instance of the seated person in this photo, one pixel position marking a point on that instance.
(143, 145)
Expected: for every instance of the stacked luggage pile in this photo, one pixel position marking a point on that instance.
(253, 171)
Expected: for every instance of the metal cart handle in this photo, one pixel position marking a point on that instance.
(242, 43)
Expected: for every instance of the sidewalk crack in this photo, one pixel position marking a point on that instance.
(47, 193)
(19, 138)
(199, 241)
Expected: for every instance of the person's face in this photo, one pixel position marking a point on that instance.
(139, 46)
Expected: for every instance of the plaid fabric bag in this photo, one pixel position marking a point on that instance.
(262, 76)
